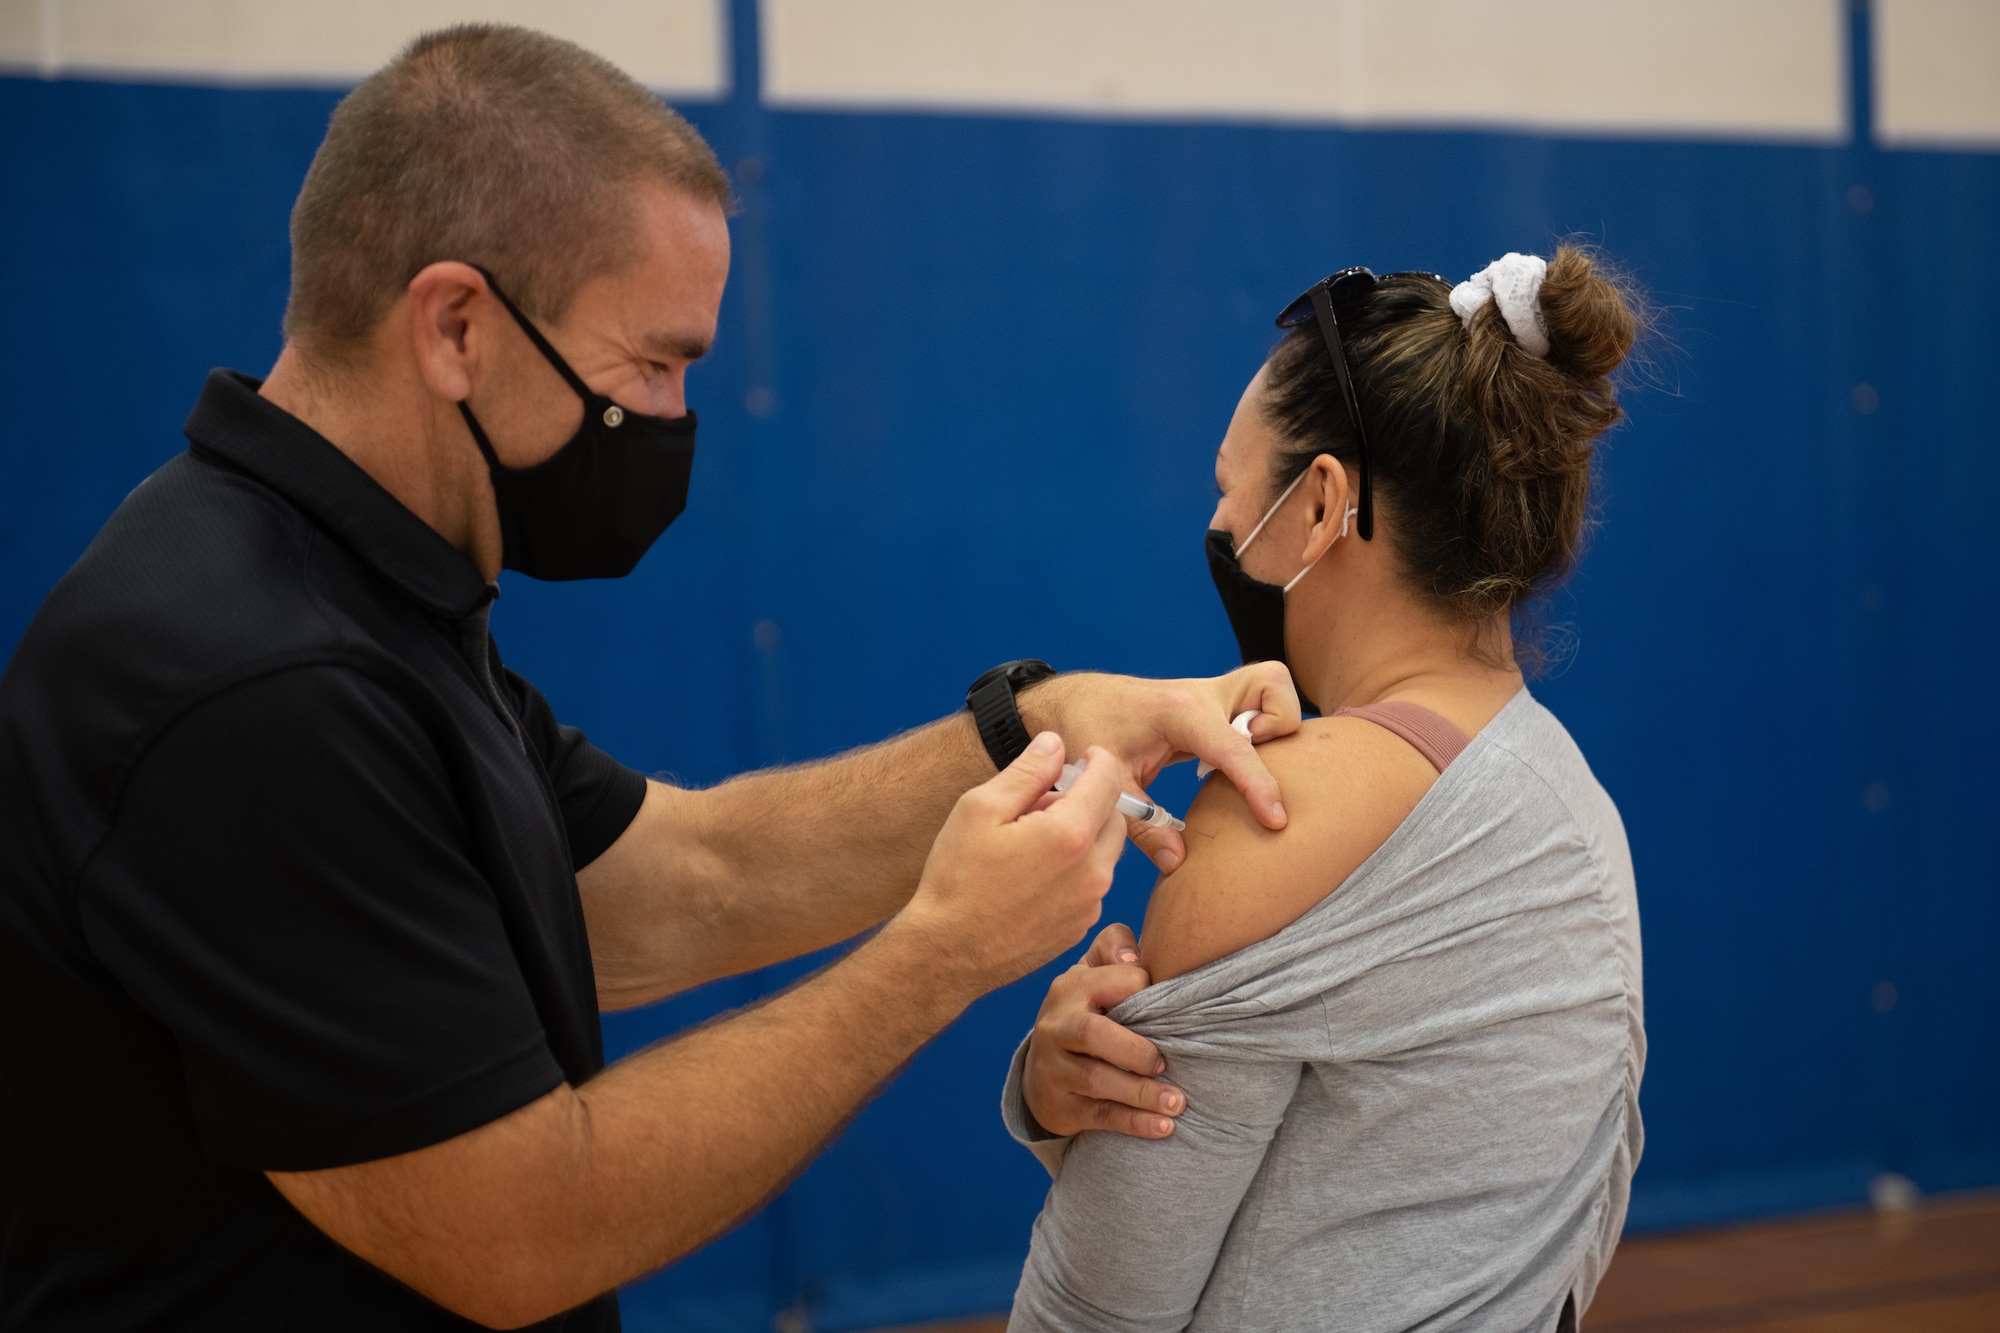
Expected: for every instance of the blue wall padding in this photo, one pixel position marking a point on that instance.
(999, 354)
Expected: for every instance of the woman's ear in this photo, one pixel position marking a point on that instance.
(1330, 494)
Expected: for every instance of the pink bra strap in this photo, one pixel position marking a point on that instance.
(1436, 738)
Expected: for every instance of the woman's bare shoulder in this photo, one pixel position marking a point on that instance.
(1346, 783)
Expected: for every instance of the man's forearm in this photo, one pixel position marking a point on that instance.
(834, 847)
(820, 852)
(843, 841)
(713, 1124)
(588, 1188)
(772, 865)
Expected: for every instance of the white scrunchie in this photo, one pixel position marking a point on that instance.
(1514, 282)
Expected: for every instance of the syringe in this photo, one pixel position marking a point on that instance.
(1129, 806)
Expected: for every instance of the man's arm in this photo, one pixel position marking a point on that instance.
(772, 865)
(589, 1187)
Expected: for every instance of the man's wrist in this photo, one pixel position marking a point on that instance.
(1042, 704)
(923, 958)
(995, 709)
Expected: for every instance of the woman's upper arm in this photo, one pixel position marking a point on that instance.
(1348, 784)
(1132, 1227)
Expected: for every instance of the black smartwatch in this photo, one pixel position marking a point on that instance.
(994, 711)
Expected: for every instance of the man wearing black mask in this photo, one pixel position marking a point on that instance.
(308, 903)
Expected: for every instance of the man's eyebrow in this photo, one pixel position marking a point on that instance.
(675, 346)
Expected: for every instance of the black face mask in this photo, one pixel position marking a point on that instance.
(1256, 609)
(593, 508)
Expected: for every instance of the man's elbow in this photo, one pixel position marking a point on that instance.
(485, 1225)
(508, 1303)
(500, 1282)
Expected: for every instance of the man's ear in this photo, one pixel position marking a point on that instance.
(1330, 494)
(448, 304)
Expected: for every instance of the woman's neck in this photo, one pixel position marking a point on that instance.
(1405, 651)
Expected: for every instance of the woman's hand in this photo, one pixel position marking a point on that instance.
(1083, 1070)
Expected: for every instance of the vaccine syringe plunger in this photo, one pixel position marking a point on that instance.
(1129, 806)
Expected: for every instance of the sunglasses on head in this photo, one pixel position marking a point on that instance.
(1318, 301)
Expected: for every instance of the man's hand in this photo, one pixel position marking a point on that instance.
(1149, 724)
(1083, 1070)
(1018, 874)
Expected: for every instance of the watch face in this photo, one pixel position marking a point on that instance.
(1024, 672)
(1027, 671)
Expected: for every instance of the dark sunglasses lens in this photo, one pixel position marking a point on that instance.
(1297, 313)
(1353, 283)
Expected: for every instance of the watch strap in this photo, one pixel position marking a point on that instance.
(998, 718)
(996, 713)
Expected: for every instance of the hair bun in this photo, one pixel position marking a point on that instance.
(1589, 311)
(1481, 446)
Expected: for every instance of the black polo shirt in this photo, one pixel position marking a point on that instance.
(287, 882)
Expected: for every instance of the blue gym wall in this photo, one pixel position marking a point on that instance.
(970, 376)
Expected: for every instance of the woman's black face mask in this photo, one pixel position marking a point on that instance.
(1256, 609)
(595, 506)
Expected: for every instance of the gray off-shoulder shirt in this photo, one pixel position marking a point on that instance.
(1414, 1108)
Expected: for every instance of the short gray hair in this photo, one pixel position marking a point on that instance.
(490, 144)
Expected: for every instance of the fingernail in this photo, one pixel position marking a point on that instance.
(1163, 1127)
(1168, 861)
(1278, 809)
(1160, 1065)
(1046, 743)
(1127, 956)
(1170, 1102)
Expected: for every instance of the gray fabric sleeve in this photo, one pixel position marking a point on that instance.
(1132, 1227)
(1049, 1149)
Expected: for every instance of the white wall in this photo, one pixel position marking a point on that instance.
(1937, 72)
(676, 46)
(1760, 68)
